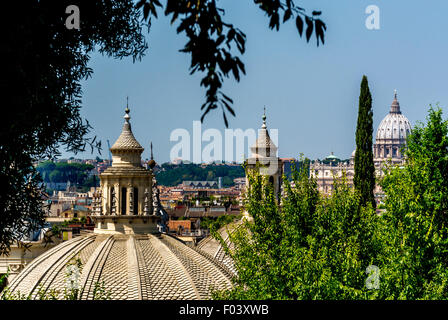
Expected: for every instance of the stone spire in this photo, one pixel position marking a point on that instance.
(263, 147)
(151, 162)
(395, 107)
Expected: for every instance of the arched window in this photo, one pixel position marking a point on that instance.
(123, 200)
(135, 201)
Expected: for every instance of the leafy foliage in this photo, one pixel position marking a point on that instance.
(416, 263)
(313, 247)
(211, 40)
(62, 172)
(214, 224)
(310, 247)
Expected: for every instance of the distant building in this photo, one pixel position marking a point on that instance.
(201, 184)
(326, 170)
(239, 183)
(287, 166)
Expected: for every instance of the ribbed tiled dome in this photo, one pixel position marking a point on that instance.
(126, 140)
(210, 245)
(395, 125)
(133, 267)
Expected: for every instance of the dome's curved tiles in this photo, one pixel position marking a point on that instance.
(132, 267)
(263, 146)
(126, 141)
(394, 126)
(214, 248)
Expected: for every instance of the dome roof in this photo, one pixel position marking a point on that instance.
(126, 141)
(215, 248)
(132, 267)
(331, 156)
(395, 125)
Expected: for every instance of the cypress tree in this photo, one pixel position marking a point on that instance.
(364, 179)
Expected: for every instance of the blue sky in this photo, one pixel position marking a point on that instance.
(311, 93)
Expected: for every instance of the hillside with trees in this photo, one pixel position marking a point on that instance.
(172, 174)
(79, 174)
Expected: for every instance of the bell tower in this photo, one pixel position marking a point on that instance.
(264, 158)
(124, 199)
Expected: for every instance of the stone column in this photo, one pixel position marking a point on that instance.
(99, 203)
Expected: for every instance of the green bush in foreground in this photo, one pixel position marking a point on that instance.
(313, 247)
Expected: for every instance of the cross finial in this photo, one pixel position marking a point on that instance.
(127, 116)
(127, 104)
(395, 93)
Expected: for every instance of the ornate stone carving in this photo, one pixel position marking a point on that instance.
(155, 197)
(146, 208)
(131, 199)
(98, 202)
(114, 202)
(16, 267)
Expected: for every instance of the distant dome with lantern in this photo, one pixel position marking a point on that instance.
(392, 133)
(395, 125)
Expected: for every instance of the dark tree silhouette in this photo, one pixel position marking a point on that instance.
(364, 179)
(43, 64)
